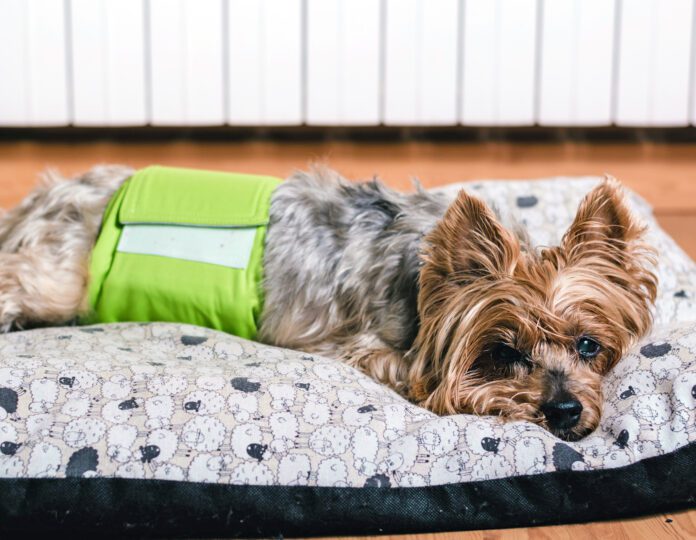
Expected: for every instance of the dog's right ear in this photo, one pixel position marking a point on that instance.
(603, 224)
(469, 243)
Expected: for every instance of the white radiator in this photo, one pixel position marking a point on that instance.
(347, 62)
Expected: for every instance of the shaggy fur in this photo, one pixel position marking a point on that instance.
(439, 301)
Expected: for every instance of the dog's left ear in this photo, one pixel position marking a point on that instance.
(603, 224)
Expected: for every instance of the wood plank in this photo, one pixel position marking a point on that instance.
(681, 228)
(663, 174)
(677, 525)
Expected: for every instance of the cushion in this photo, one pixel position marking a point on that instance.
(177, 430)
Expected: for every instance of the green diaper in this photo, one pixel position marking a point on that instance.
(183, 245)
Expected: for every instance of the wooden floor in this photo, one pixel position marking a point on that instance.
(664, 174)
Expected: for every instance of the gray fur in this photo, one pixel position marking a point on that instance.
(342, 261)
(45, 245)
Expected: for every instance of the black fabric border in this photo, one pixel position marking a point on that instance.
(124, 507)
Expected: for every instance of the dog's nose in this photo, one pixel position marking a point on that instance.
(563, 413)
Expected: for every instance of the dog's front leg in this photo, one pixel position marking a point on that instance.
(383, 364)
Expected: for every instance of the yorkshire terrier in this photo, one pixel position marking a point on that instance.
(436, 299)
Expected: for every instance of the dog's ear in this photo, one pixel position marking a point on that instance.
(603, 224)
(469, 242)
(607, 236)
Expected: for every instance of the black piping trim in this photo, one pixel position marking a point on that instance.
(123, 507)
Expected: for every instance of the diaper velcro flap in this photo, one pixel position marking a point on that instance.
(176, 196)
(183, 245)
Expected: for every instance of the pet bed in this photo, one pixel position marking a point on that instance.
(175, 430)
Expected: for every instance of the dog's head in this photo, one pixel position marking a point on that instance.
(528, 334)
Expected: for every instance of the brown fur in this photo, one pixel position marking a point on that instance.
(479, 288)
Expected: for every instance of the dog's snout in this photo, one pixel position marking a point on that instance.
(562, 413)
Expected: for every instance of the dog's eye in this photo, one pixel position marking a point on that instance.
(508, 355)
(587, 347)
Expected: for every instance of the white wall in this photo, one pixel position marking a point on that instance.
(347, 62)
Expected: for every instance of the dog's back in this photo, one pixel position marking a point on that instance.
(342, 262)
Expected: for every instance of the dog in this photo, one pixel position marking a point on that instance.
(436, 299)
